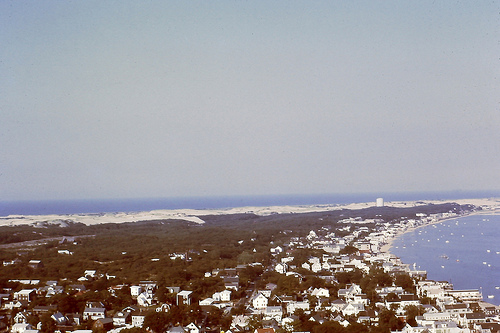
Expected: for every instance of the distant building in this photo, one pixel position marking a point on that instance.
(380, 202)
(184, 297)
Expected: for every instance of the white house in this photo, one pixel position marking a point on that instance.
(352, 309)
(144, 299)
(280, 268)
(316, 267)
(20, 328)
(273, 312)
(138, 318)
(320, 292)
(93, 313)
(223, 296)
(260, 301)
(192, 328)
(135, 291)
(292, 306)
(206, 301)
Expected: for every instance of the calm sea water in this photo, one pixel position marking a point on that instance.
(464, 251)
(42, 207)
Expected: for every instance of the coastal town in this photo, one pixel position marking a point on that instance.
(342, 280)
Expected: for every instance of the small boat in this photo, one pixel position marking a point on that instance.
(442, 266)
(491, 296)
(497, 287)
(447, 241)
(484, 263)
(488, 251)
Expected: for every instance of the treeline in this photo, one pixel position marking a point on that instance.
(144, 250)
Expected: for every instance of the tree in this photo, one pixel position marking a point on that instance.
(411, 312)
(349, 249)
(48, 324)
(156, 321)
(254, 322)
(329, 327)
(406, 282)
(67, 304)
(388, 321)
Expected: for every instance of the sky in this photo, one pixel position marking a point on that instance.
(132, 99)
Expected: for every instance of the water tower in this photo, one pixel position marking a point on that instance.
(380, 202)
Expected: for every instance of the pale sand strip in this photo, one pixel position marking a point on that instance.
(196, 215)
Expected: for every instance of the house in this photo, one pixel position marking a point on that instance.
(320, 292)
(192, 328)
(35, 264)
(337, 305)
(59, 318)
(184, 297)
(102, 324)
(135, 291)
(74, 318)
(94, 311)
(349, 293)
(316, 267)
(265, 292)
(273, 312)
(20, 328)
(293, 306)
(121, 318)
(176, 329)
(145, 299)
(206, 301)
(90, 273)
(280, 268)
(232, 282)
(26, 295)
(352, 309)
(259, 301)
(77, 287)
(41, 309)
(223, 296)
(21, 318)
(138, 318)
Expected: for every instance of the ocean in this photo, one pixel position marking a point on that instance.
(44, 207)
(464, 251)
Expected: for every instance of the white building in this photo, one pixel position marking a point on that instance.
(260, 301)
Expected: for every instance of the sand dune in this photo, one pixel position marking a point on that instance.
(196, 215)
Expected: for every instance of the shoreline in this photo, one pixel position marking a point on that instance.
(386, 248)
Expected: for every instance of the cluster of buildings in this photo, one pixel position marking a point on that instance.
(439, 307)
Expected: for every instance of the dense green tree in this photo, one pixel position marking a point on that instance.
(329, 327)
(156, 321)
(406, 282)
(349, 249)
(48, 324)
(387, 321)
(412, 311)
(67, 304)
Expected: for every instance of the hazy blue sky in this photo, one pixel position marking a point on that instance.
(110, 99)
